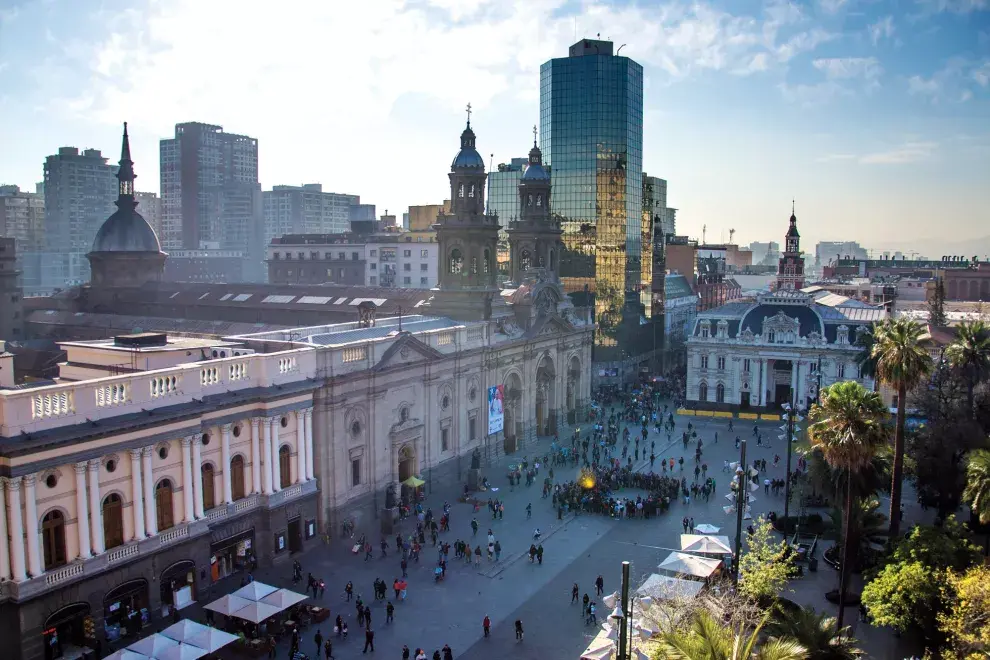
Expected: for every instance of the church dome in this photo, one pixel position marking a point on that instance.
(535, 172)
(468, 157)
(126, 231)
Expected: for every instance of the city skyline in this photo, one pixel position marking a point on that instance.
(871, 114)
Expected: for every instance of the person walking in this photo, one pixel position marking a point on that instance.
(575, 593)
(369, 640)
(328, 650)
(599, 585)
(389, 612)
(519, 630)
(318, 638)
(486, 624)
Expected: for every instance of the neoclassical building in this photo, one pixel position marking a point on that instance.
(780, 347)
(155, 466)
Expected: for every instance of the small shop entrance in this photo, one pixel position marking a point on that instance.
(295, 535)
(178, 585)
(125, 609)
(231, 555)
(64, 631)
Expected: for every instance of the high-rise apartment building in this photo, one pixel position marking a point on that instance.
(669, 221)
(210, 193)
(80, 190)
(22, 217)
(503, 200)
(150, 206)
(306, 209)
(591, 134)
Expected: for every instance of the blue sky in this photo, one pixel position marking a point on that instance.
(873, 114)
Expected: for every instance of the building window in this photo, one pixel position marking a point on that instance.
(407, 267)
(113, 521)
(444, 439)
(314, 255)
(284, 467)
(720, 393)
(471, 191)
(374, 253)
(373, 280)
(341, 256)
(209, 495)
(53, 535)
(163, 505)
(327, 256)
(424, 267)
(354, 256)
(840, 370)
(721, 362)
(237, 477)
(703, 391)
(424, 281)
(456, 264)
(407, 253)
(704, 361)
(355, 471)
(705, 329)
(472, 429)
(407, 280)
(424, 253)
(374, 266)
(746, 366)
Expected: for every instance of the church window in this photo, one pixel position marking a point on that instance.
(456, 262)
(703, 391)
(460, 190)
(704, 361)
(525, 260)
(720, 393)
(553, 260)
(539, 200)
(488, 261)
(471, 191)
(529, 201)
(746, 366)
(474, 265)
(721, 362)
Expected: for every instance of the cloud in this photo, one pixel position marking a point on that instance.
(846, 68)
(803, 42)
(832, 158)
(812, 95)
(909, 152)
(957, 82)
(952, 6)
(832, 6)
(882, 29)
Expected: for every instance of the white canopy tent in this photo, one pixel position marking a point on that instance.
(283, 599)
(256, 602)
(705, 528)
(125, 654)
(255, 591)
(706, 545)
(680, 563)
(152, 645)
(257, 612)
(664, 587)
(228, 604)
(196, 634)
(181, 652)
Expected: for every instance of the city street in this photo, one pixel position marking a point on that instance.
(577, 549)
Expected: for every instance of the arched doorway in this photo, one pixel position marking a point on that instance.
(573, 388)
(65, 627)
(546, 415)
(125, 609)
(113, 521)
(781, 385)
(237, 477)
(53, 535)
(178, 584)
(407, 462)
(702, 391)
(163, 505)
(511, 423)
(719, 393)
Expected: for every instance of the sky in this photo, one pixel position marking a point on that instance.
(874, 115)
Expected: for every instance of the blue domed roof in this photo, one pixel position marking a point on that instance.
(126, 231)
(468, 156)
(535, 172)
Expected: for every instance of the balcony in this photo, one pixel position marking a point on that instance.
(81, 569)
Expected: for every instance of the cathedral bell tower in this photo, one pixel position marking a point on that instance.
(468, 237)
(790, 269)
(534, 239)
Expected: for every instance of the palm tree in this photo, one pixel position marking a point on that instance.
(977, 492)
(818, 633)
(971, 353)
(708, 639)
(848, 427)
(901, 363)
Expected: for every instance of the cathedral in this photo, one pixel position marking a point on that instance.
(779, 347)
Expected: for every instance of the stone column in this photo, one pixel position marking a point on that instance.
(267, 448)
(197, 469)
(188, 513)
(300, 447)
(310, 473)
(35, 567)
(764, 378)
(4, 545)
(17, 572)
(82, 515)
(96, 508)
(273, 423)
(225, 458)
(137, 497)
(150, 510)
(255, 456)
(795, 370)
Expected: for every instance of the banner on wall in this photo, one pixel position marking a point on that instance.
(496, 408)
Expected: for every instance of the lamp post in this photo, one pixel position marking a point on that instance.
(742, 473)
(622, 615)
(792, 413)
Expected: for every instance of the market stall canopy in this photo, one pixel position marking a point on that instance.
(709, 545)
(413, 482)
(283, 599)
(255, 591)
(196, 634)
(685, 564)
(705, 528)
(152, 645)
(256, 612)
(181, 652)
(664, 587)
(228, 604)
(125, 654)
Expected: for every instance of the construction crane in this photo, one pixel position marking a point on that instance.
(732, 232)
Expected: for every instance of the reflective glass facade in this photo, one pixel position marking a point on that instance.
(503, 199)
(591, 135)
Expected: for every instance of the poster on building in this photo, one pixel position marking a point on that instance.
(496, 408)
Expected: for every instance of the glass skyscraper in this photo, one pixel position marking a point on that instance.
(591, 125)
(503, 199)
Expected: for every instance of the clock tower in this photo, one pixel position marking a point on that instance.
(790, 269)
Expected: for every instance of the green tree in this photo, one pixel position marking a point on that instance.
(966, 620)
(865, 359)
(947, 546)
(847, 426)
(977, 492)
(936, 306)
(904, 594)
(971, 352)
(867, 526)
(709, 639)
(818, 633)
(765, 566)
(901, 363)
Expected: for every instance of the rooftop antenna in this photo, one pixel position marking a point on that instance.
(704, 231)
(732, 232)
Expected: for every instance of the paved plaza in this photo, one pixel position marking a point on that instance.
(577, 549)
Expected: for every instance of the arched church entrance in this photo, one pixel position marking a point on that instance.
(780, 388)
(407, 462)
(513, 420)
(546, 379)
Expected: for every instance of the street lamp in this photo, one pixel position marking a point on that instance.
(792, 417)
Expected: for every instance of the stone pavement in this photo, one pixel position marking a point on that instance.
(576, 550)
